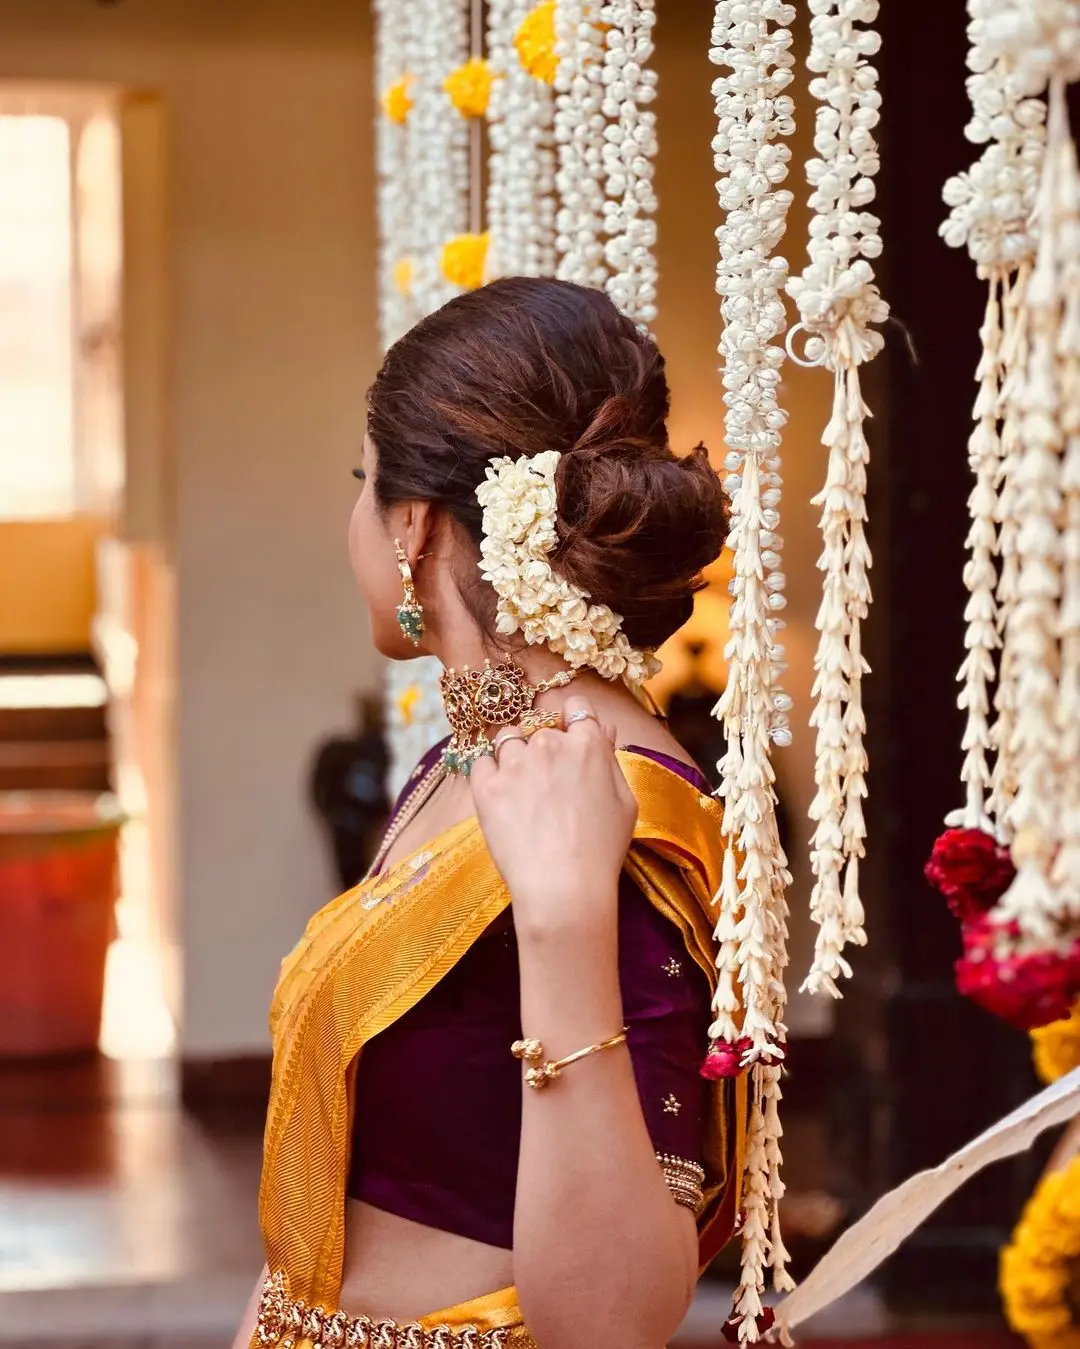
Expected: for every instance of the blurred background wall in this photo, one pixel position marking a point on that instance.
(268, 346)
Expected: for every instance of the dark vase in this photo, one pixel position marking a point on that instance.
(348, 790)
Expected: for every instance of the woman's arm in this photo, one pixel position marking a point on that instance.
(602, 1254)
(251, 1314)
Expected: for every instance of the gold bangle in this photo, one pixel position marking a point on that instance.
(539, 1074)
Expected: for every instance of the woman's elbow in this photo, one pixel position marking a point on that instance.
(645, 1316)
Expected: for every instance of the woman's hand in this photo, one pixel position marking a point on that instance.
(558, 818)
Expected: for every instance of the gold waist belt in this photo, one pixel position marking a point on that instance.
(283, 1322)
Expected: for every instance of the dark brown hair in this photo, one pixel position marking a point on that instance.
(524, 365)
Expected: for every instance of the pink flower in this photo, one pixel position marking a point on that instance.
(726, 1060)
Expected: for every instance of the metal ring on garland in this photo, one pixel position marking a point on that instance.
(806, 362)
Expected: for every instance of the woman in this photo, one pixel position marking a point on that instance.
(487, 1096)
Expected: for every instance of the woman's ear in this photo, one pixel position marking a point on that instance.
(418, 525)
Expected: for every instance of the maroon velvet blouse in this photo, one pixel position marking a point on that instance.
(438, 1095)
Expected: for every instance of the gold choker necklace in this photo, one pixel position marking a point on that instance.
(476, 701)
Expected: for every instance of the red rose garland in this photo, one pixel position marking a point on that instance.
(1026, 989)
(971, 869)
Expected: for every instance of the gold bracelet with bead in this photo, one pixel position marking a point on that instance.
(540, 1072)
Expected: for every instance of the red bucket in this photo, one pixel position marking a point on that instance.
(58, 890)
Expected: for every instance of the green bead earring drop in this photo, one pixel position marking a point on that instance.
(410, 612)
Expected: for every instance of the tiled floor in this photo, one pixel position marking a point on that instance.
(119, 1214)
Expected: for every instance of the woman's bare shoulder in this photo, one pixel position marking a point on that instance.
(646, 731)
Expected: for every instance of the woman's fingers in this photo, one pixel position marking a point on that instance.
(482, 770)
(508, 745)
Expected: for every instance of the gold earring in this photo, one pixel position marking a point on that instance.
(410, 612)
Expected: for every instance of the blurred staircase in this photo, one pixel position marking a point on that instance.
(53, 733)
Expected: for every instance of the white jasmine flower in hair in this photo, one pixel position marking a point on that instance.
(520, 506)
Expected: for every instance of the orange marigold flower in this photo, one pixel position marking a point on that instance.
(535, 42)
(469, 87)
(396, 101)
(464, 258)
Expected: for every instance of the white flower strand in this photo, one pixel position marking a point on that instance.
(991, 206)
(521, 162)
(437, 142)
(982, 638)
(751, 42)
(579, 138)
(839, 304)
(1014, 356)
(392, 205)
(520, 509)
(1041, 38)
(1035, 814)
(629, 149)
(432, 38)
(756, 1214)
(1065, 872)
(752, 113)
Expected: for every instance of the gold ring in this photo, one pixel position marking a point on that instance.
(504, 738)
(582, 714)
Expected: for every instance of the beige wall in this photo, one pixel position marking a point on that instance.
(688, 330)
(272, 344)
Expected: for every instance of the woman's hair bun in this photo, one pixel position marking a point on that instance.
(638, 524)
(527, 364)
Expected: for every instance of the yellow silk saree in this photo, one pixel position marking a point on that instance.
(366, 959)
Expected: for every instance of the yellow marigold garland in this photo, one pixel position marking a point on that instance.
(1041, 1263)
(464, 258)
(396, 101)
(535, 42)
(469, 87)
(1056, 1048)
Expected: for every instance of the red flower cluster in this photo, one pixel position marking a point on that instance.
(971, 869)
(724, 1060)
(764, 1322)
(1024, 990)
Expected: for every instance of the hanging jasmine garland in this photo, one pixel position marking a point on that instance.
(437, 144)
(521, 161)
(840, 308)
(629, 149)
(751, 42)
(579, 139)
(991, 210)
(1018, 211)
